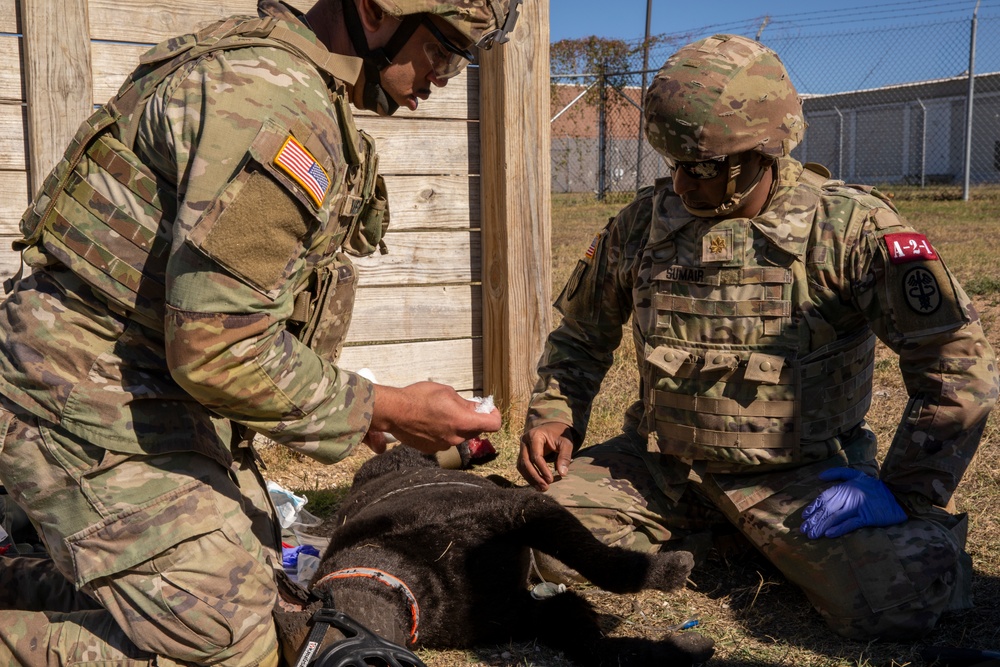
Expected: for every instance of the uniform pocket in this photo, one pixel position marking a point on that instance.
(177, 571)
(258, 225)
(125, 540)
(898, 564)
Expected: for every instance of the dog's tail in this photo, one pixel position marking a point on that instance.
(550, 528)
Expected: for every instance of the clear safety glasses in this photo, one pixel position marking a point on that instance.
(447, 58)
(701, 170)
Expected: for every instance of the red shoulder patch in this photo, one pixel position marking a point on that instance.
(908, 247)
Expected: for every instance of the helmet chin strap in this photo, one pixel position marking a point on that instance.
(374, 96)
(732, 199)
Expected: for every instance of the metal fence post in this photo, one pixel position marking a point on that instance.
(642, 100)
(602, 143)
(840, 143)
(923, 144)
(969, 104)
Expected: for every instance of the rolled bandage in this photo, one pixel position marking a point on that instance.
(484, 403)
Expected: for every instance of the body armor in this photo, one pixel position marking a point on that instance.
(103, 213)
(739, 368)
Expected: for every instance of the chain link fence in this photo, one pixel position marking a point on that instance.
(907, 114)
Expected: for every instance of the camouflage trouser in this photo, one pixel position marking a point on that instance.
(156, 559)
(889, 582)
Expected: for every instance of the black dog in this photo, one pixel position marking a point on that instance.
(439, 558)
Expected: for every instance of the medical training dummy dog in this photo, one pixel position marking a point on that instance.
(427, 557)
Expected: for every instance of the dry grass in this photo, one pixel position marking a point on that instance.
(754, 615)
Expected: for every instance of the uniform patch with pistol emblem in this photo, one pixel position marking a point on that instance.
(297, 162)
(921, 290)
(908, 247)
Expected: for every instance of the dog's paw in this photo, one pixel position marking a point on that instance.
(690, 648)
(669, 570)
(677, 650)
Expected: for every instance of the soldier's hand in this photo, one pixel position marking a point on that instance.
(430, 417)
(539, 443)
(858, 501)
(377, 441)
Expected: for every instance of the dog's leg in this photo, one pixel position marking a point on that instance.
(567, 622)
(552, 529)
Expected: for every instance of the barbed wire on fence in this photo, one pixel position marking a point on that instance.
(895, 106)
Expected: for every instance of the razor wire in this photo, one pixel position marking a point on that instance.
(902, 110)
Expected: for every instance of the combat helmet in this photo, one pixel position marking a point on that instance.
(717, 98)
(485, 23)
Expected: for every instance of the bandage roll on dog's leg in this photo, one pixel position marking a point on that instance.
(450, 459)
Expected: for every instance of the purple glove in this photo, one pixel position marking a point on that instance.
(858, 502)
(290, 555)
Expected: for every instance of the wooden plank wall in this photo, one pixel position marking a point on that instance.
(517, 267)
(13, 135)
(419, 312)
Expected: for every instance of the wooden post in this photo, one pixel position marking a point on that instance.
(516, 174)
(58, 88)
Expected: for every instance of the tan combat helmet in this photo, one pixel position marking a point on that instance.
(720, 97)
(485, 22)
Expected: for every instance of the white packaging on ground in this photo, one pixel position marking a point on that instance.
(287, 504)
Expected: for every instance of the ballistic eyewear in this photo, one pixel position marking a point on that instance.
(447, 58)
(702, 170)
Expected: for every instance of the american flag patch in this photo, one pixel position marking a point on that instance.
(593, 246)
(298, 163)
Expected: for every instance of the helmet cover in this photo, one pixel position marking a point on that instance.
(723, 95)
(484, 22)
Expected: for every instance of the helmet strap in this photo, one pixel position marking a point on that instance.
(732, 199)
(374, 96)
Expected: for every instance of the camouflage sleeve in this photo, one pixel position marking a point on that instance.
(241, 244)
(595, 304)
(916, 307)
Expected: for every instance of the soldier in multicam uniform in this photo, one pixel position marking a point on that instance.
(191, 286)
(756, 288)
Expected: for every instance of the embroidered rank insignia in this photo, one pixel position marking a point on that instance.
(921, 290)
(593, 247)
(718, 245)
(298, 163)
(908, 247)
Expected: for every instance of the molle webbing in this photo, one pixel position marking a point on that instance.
(110, 238)
(836, 386)
(749, 308)
(832, 396)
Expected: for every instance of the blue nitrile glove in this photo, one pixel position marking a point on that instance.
(290, 555)
(859, 501)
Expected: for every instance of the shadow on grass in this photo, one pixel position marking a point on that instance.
(775, 621)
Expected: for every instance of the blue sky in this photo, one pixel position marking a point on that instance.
(626, 19)
(829, 46)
